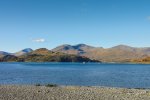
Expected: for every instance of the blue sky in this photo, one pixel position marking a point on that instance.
(49, 23)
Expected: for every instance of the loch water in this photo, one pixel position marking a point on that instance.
(79, 74)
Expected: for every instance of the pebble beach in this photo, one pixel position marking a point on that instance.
(31, 92)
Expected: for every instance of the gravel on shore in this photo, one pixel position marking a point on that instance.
(22, 92)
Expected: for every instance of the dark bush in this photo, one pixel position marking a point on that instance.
(51, 85)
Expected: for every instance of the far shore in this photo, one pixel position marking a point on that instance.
(54, 92)
(147, 63)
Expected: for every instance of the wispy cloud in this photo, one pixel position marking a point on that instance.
(39, 40)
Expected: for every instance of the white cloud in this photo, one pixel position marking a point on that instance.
(39, 40)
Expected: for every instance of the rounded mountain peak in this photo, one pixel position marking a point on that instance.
(42, 49)
(27, 50)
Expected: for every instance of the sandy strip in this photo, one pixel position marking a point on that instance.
(10, 92)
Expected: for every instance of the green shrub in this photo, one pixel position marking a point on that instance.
(51, 85)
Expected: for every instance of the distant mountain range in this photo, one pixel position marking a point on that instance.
(120, 53)
(23, 52)
(2, 53)
(19, 53)
(42, 55)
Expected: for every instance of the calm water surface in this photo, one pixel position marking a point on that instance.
(92, 74)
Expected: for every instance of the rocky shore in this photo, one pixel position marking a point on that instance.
(21, 92)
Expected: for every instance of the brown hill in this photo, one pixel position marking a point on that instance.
(45, 55)
(142, 60)
(120, 53)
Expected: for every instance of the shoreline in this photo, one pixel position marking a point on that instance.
(132, 63)
(53, 92)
